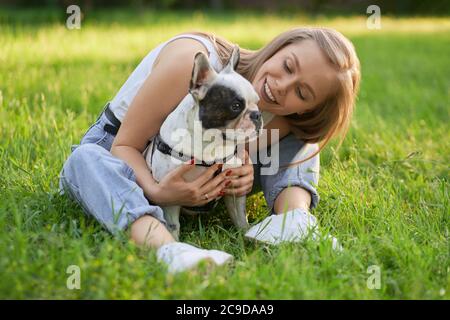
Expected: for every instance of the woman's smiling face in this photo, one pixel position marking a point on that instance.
(295, 79)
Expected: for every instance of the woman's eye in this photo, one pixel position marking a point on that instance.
(286, 67)
(300, 95)
(299, 92)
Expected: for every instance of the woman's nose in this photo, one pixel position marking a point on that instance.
(283, 85)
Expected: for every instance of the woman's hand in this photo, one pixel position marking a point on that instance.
(241, 178)
(174, 190)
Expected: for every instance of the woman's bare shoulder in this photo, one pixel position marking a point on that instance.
(180, 46)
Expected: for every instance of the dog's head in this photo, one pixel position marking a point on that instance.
(226, 100)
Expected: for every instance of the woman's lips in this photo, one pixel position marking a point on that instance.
(264, 94)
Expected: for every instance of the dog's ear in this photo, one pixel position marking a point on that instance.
(202, 75)
(233, 62)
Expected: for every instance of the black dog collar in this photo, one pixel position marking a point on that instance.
(166, 149)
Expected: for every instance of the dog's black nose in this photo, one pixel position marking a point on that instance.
(255, 116)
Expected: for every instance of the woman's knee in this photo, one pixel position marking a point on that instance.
(90, 162)
(85, 153)
(81, 162)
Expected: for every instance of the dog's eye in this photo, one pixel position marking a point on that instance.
(236, 107)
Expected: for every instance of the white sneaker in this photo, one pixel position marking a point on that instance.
(292, 226)
(181, 256)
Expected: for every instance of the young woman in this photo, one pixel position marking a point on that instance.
(307, 80)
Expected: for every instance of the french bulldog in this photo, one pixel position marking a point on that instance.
(220, 105)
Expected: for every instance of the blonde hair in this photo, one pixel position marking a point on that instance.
(332, 117)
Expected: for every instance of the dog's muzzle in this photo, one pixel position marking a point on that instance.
(255, 116)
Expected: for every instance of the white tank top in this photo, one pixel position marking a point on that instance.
(119, 105)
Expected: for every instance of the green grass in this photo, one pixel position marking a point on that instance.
(384, 194)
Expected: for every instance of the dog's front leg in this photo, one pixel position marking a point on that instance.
(172, 216)
(236, 205)
(236, 209)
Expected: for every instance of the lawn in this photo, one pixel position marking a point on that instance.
(384, 194)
